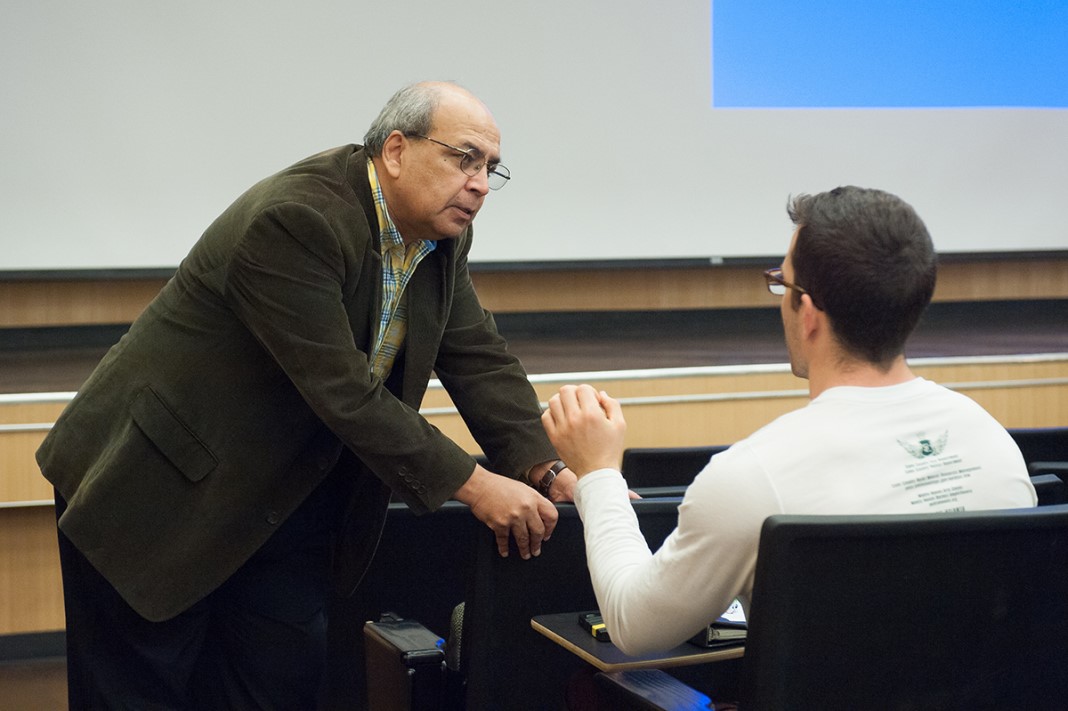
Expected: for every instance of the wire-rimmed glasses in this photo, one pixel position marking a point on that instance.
(471, 163)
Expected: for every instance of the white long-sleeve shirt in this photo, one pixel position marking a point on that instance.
(908, 448)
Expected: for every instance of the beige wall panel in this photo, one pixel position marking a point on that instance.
(22, 480)
(27, 303)
(1031, 393)
(1015, 401)
(61, 303)
(685, 424)
(31, 590)
(13, 412)
(622, 290)
(1026, 279)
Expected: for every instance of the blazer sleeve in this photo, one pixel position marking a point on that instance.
(287, 283)
(488, 384)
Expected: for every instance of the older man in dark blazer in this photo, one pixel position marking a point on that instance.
(250, 427)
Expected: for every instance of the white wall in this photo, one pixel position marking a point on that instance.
(126, 126)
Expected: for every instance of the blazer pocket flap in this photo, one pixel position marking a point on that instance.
(177, 442)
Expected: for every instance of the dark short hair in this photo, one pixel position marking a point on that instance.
(410, 111)
(868, 262)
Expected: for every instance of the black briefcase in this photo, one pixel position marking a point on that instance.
(405, 666)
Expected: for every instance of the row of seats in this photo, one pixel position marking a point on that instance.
(427, 565)
(934, 611)
(1045, 449)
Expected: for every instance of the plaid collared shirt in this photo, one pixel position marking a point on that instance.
(398, 265)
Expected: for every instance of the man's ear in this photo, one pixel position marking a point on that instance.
(392, 153)
(812, 319)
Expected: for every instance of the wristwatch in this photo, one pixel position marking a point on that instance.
(549, 477)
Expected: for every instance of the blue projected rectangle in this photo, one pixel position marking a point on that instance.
(879, 54)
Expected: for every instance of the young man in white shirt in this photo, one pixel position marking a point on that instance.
(875, 438)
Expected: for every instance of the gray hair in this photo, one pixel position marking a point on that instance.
(410, 111)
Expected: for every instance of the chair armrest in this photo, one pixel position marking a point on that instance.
(1059, 468)
(1049, 484)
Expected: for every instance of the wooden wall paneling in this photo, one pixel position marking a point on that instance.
(691, 407)
(26, 304)
(29, 303)
(31, 589)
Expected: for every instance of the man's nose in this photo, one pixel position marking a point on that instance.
(479, 182)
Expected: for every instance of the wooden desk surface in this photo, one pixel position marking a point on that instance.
(564, 629)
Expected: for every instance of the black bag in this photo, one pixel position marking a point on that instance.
(405, 665)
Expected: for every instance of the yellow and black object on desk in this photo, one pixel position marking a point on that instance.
(593, 623)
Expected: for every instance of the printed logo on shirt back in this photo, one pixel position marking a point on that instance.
(924, 447)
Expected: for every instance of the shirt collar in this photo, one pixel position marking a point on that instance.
(391, 238)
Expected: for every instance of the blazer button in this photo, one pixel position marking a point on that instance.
(272, 518)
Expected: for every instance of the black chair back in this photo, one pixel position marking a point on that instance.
(1041, 444)
(932, 611)
(504, 663)
(665, 466)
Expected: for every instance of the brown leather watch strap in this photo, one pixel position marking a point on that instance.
(546, 483)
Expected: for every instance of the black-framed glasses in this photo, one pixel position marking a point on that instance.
(777, 285)
(471, 163)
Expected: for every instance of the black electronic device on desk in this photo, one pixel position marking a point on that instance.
(729, 629)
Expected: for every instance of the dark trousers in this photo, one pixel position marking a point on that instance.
(256, 642)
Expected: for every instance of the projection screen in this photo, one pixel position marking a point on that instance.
(634, 130)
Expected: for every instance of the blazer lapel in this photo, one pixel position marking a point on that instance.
(427, 295)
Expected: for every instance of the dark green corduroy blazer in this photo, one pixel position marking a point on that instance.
(241, 385)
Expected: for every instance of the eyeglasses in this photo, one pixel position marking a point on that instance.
(777, 285)
(471, 163)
